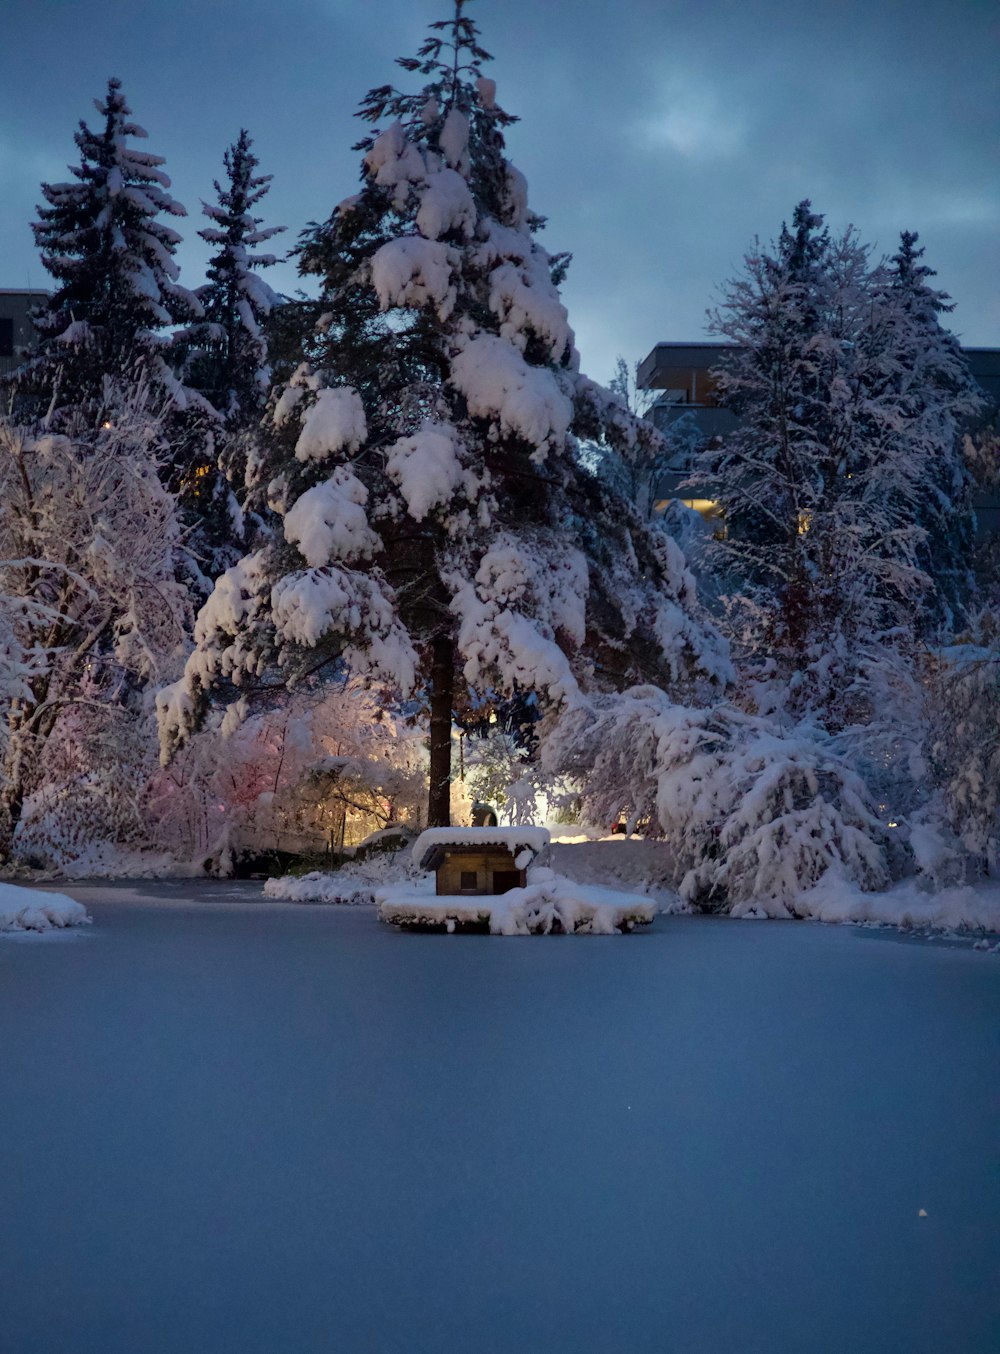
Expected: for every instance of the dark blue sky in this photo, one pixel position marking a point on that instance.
(658, 139)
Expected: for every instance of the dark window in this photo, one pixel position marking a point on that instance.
(468, 880)
(506, 879)
(6, 337)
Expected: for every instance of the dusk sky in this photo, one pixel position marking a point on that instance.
(658, 139)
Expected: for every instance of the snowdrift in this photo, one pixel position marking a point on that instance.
(32, 910)
(549, 904)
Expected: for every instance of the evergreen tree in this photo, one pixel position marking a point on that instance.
(229, 359)
(104, 241)
(439, 527)
(938, 396)
(821, 482)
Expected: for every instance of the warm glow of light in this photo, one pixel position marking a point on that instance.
(805, 518)
(708, 507)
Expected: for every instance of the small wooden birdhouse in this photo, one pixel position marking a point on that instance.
(479, 860)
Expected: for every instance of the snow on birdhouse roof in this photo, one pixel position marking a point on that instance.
(513, 839)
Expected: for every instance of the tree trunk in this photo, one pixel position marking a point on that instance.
(11, 806)
(442, 704)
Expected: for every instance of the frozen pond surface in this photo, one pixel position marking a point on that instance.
(241, 1128)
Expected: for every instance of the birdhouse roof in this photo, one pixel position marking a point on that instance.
(523, 843)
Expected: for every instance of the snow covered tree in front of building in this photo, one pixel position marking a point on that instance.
(845, 498)
(635, 464)
(439, 529)
(826, 481)
(817, 493)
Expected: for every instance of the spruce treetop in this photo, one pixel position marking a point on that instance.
(104, 240)
(229, 359)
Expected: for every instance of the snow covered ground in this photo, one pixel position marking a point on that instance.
(32, 910)
(233, 1124)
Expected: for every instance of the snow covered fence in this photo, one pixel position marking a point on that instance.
(32, 910)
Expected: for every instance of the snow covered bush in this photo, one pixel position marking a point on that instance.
(33, 910)
(439, 530)
(319, 769)
(956, 835)
(754, 815)
(92, 617)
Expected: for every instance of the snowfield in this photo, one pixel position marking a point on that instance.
(241, 1125)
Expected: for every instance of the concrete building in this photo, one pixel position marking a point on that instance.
(682, 373)
(17, 334)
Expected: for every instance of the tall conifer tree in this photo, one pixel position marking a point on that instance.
(229, 361)
(103, 238)
(438, 526)
(938, 396)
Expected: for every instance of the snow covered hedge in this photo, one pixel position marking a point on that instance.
(755, 816)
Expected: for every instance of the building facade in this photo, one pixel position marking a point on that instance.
(18, 336)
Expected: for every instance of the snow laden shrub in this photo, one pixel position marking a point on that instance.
(439, 532)
(956, 836)
(92, 617)
(754, 815)
(321, 767)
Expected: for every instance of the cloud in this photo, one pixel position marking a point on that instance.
(694, 120)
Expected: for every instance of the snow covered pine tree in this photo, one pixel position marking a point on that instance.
(438, 523)
(104, 240)
(227, 350)
(844, 454)
(939, 397)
